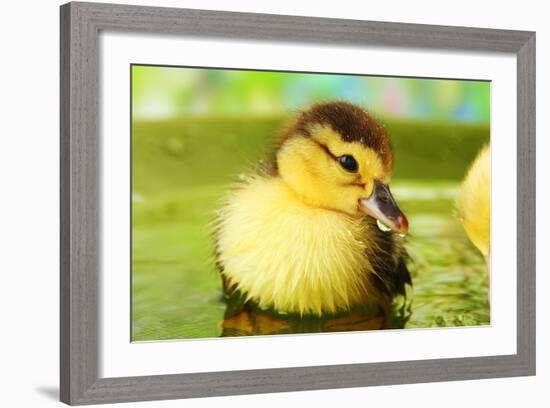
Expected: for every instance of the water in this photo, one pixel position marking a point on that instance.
(177, 291)
(180, 169)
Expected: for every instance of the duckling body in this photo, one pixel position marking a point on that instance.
(474, 202)
(296, 240)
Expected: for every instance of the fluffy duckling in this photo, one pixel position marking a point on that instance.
(320, 232)
(474, 202)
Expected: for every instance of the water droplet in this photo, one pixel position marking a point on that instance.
(382, 226)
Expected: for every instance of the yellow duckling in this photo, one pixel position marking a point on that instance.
(320, 231)
(474, 202)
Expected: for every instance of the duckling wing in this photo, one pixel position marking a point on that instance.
(390, 271)
(391, 280)
(401, 277)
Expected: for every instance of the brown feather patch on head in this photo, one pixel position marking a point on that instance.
(351, 122)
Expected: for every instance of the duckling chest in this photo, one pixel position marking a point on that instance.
(286, 255)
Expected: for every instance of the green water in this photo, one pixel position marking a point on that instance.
(182, 168)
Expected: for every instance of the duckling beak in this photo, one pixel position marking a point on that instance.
(382, 206)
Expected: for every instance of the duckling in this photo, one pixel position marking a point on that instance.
(319, 232)
(474, 202)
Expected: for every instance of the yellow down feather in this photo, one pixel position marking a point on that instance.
(289, 255)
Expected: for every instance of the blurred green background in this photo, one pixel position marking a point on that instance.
(194, 131)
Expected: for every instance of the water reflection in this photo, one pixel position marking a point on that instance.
(248, 320)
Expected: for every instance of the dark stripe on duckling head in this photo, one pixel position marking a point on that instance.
(325, 149)
(351, 122)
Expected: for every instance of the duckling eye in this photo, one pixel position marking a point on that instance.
(348, 163)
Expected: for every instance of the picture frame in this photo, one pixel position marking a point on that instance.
(80, 155)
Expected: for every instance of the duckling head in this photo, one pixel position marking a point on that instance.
(337, 156)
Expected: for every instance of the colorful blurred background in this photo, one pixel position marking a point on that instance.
(195, 131)
(168, 92)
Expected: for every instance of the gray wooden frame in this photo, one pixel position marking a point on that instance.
(80, 189)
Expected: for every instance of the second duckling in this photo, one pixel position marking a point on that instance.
(474, 202)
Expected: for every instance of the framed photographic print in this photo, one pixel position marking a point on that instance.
(242, 192)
